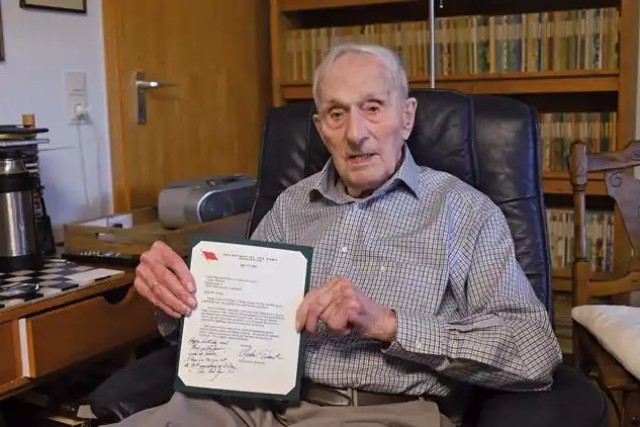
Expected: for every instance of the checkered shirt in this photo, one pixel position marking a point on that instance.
(440, 254)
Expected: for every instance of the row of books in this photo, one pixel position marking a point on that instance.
(559, 130)
(599, 236)
(582, 39)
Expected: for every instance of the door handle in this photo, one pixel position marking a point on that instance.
(142, 86)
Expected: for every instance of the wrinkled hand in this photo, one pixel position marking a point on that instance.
(344, 308)
(163, 278)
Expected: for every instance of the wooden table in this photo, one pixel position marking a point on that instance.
(62, 331)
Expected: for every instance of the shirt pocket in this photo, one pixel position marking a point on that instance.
(411, 286)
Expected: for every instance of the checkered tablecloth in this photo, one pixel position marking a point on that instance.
(55, 277)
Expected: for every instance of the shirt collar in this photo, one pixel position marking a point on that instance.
(329, 186)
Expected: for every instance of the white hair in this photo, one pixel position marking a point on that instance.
(389, 59)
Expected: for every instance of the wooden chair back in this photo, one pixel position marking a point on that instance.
(624, 189)
(622, 389)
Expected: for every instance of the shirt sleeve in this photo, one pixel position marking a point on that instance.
(503, 339)
(168, 326)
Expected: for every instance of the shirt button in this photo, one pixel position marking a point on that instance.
(344, 249)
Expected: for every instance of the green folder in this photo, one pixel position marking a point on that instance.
(294, 394)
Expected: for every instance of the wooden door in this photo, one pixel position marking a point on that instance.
(216, 52)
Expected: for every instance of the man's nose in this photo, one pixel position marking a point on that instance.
(357, 128)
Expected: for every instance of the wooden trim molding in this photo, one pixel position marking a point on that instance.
(120, 180)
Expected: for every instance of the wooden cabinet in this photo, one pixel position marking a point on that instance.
(62, 337)
(9, 353)
(42, 338)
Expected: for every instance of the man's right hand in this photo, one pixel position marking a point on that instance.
(163, 278)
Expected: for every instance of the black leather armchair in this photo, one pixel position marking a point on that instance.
(491, 143)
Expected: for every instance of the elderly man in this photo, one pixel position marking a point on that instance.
(416, 293)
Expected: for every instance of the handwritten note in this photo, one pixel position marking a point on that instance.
(242, 337)
(208, 357)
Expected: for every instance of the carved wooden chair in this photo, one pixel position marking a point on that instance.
(607, 335)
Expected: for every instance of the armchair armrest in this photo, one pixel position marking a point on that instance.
(140, 385)
(573, 401)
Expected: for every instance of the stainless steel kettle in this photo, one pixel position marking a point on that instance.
(19, 247)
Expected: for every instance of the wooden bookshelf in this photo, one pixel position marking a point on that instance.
(602, 89)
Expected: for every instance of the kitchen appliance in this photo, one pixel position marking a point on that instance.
(201, 200)
(23, 141)
(19, 248)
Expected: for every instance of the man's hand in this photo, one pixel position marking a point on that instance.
(344, 308)
(163, 278)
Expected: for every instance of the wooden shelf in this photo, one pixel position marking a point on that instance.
(564, 175)
(578, 101)
(527, 83)
(561, 284)
(325, 13)
(565, 273)
(560, 184)
(450, 6)
(578, 81)
(305, 5)
(562, 279)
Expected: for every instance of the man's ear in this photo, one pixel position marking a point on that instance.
(316, 121)
(408, 116)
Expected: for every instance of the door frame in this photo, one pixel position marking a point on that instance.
(121, 195)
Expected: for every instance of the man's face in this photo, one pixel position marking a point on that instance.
(363, 121)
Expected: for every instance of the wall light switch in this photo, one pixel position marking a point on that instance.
(76, 82)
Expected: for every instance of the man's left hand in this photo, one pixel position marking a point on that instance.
(344, 308)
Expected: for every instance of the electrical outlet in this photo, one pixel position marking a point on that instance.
(76, 86)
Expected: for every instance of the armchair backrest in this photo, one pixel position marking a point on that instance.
(490, 142)
(624, 189)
